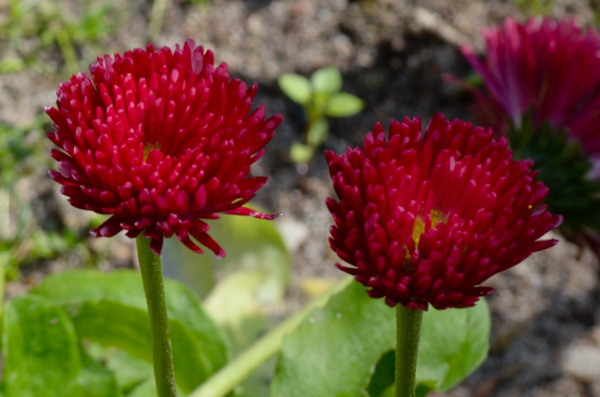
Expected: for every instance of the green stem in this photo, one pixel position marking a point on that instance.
(228, 377)
(408, 331)
(150, 265)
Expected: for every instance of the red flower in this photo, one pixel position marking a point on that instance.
(424, 221)
(159, 140)
(550, 68)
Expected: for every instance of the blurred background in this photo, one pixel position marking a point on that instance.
(389, 56)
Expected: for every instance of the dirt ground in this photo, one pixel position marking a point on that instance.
(546, 320)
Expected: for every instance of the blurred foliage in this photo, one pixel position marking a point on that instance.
(204, 4)
(86, 333)
(34, 25)
(320, 98)
(534, 7)
(18, 147)
(43, 356)
(24, 238)
(595, 6)
(544, 7)
(252, 281)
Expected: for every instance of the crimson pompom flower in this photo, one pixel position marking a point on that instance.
(546, 67)
(159, 139)
(426, 220)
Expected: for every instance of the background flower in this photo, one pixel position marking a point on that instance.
(159, 140)
(424, 221)
(549, 68)
(542, 91)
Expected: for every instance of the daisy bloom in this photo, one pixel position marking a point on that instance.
(547, 70)
(542, 91)
(159, 139)
(425, 220)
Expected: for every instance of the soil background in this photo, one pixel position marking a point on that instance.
(392, 53)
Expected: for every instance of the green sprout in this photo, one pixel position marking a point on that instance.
(320, 98)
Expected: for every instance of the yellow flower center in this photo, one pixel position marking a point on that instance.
(418, 230)
(419, 225)
(148, 147)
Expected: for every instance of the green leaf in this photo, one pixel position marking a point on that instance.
(446, 358)
(327, 80)
(344, 348)
(250, 244)
(383, 376)
(94, 381)
(254, 275)
(300, 153)
(41, 348)
(317, 132)
(183, 264)
(148, 389)
(344, 105)
(111, 309)
(233, 306)
(43, 356)
(296, 87)
(129, 371)
(133, 376)
(145, 389)
(115, 324)
(333, 351)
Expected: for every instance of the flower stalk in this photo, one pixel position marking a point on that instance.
(408, 332)
(151, 268)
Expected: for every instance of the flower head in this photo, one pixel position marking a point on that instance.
(426, 220)
(542, 81)
(543, 69)
(159, 139)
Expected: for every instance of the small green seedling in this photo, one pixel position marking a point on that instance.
(320, 98)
